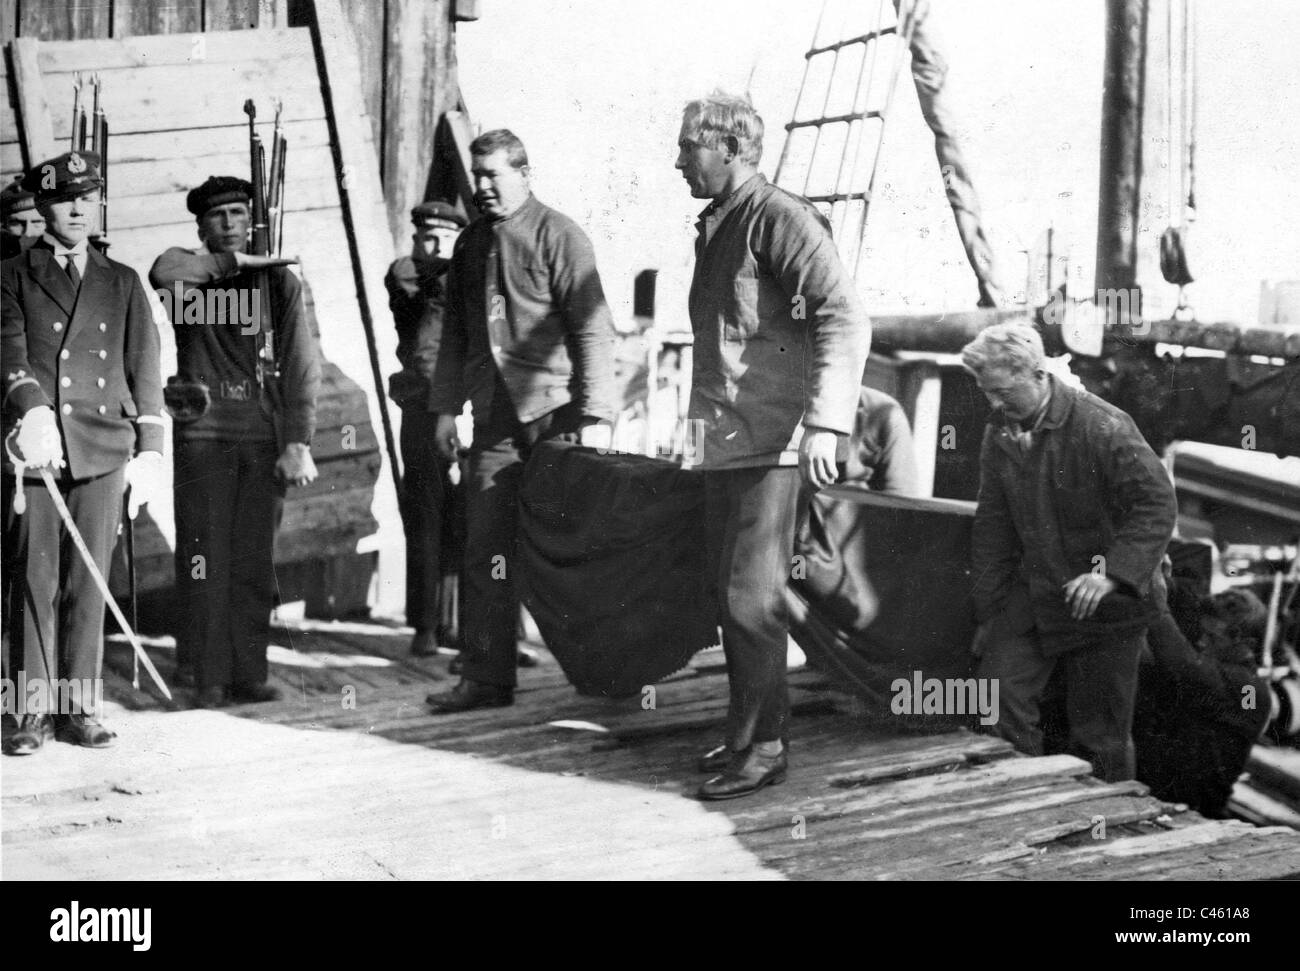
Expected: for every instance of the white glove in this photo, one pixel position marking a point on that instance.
(38, 438)
(144, 475)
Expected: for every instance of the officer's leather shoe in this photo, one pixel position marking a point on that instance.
(424, 643)
(469, 695)
(29, 736)
(214, 697)
(254, 693)
(83, 730)
(748, 772)
(715, 760)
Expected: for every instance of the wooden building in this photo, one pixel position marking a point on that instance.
(363, 85)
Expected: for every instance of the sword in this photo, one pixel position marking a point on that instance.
(48, 478)
(129, 525)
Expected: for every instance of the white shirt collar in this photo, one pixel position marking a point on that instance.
(78, 251)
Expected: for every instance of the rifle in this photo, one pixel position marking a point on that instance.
(268, 365)
(99, 144)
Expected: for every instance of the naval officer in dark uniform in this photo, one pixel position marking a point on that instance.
(83, 396)
(241, 435)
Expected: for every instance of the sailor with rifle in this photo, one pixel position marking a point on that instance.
(244, 405)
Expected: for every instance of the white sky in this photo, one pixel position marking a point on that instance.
(595, 89)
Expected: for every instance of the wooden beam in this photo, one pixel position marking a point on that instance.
(1121, 146)
(131, 18)
(359, 190)
(33, 102)
(420, 85)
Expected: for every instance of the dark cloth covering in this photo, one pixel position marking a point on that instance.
(613, 567)
(612, 549)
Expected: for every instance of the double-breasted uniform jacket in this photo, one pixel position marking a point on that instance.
(92, 356)
(1088, 495)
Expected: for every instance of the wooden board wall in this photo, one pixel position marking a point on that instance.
(174, 105)
(405, 50)
(94, 19)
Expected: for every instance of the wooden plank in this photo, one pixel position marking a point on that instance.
(368, 22)
(364, 212)
(230, 14)
(64, 19)
(8, 21)
(228, 47)
(420, 85)
(134, 17)
(193, 146)
(132, 179)
(34, 105)
(210, 97)
(941, 849)
(1279, 768)
(164, 208)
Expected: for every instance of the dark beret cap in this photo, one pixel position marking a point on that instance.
(436, 209)
(218, 190)
(63, 177)
(14, 198)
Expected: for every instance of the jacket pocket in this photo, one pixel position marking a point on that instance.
(742, 315)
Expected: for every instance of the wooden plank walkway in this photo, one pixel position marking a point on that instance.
(350, 777)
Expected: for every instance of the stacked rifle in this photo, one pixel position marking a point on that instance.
(268, 184)
(91, 133)
(268, 225)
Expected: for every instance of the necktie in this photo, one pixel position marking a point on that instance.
(73, 273)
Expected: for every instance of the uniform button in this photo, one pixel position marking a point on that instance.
(66, 382)
(101, 409)
(99, 382)
(67, 409)
(497, 349)
(58, 326)
(103, 327)
(64, 354)
(103, 354)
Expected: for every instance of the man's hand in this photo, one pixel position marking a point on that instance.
(1085, 592)
(295, 465)
(248, 261)
(445, 438)
(143, 479)
(599, 436)
(38, 438)
(817, 457)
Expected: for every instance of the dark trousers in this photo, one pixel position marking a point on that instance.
(1099, 683)
(750, 520)
(56, 612)
(227, 504)
(431, 508)
(490, 606)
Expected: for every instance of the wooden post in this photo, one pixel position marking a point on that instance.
(33, 102)
(361, 198)
(420, 86)
(1121, 149)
